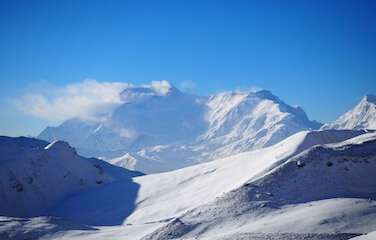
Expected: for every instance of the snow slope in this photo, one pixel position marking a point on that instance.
(369, 236)
(157, 122)
(291, 197)
(34, 175)
(166, 196)
(362, 116)
(12, 228)
(312, 185)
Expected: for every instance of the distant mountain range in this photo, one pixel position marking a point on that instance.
(159, 129)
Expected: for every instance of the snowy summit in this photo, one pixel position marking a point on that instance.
(157, 122)
(362, 116)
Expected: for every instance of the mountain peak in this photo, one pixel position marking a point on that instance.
(362, 116)
(155, 88)
(163, 87)
(265, 94)
(369, 98)
(296, 110)
(60, 146)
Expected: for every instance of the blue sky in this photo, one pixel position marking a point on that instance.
(320, 55)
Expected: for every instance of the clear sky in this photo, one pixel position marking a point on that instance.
(320, 55)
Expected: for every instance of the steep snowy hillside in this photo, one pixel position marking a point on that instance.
(257, 117)
(162, 197)
(34, 174)
(12, 228)
(324, 189)
(362, 116)
(312, 185)
(157, 122)
(368, 236)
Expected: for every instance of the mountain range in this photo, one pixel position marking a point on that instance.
(158, 128)
(156, 124)
(234, 165)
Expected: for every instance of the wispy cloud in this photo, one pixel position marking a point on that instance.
(88, 99)
(188, 86)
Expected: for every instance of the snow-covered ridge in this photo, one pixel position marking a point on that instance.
(370, 98)
(362, 116)
(311, 183)
(324, 189)
(194, 128)
(167, 195)
(34, 174)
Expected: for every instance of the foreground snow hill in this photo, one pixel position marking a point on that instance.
(301, 192)
(313, 185)
(324, 189)
(34, 175)
(368, 236)
(268, 190)
(157, 122)
(362, 116)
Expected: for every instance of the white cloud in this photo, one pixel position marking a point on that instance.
(188, 86)
(88, 99)
(127, 133)
(162, 86)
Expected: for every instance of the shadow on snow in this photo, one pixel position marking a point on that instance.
(107, 205)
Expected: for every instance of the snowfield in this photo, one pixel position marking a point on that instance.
(368, 236)
(330, 184)
(312, 185)
(208, 180)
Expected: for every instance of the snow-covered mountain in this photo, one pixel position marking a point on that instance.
(200, 184)
(159, 128)
(150, 115)
(312, 185)
(34, 174)
(341, 200)
(362, 116)
(241, 121)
